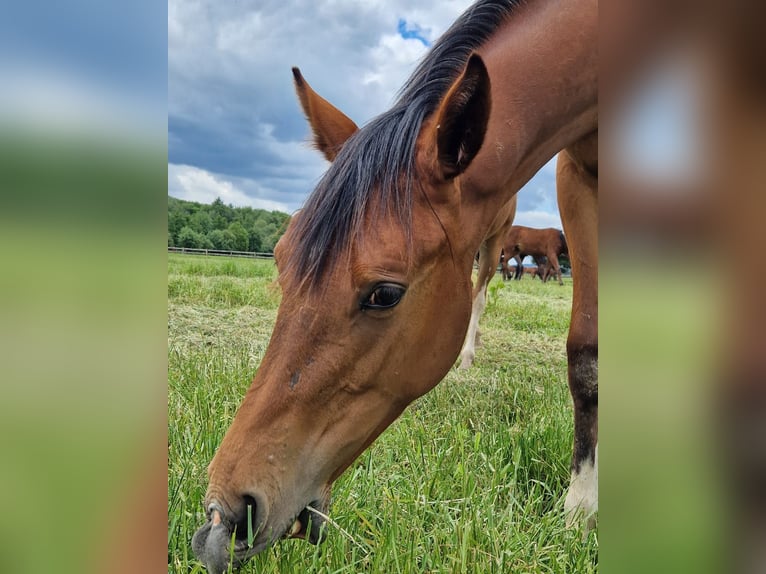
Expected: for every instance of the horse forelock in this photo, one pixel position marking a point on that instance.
(374, 168)
(366, 175)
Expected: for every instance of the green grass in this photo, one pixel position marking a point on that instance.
(471, 478)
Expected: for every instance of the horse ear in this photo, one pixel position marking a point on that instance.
(331, 127)
(462, 119)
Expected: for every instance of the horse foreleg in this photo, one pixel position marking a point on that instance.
(489, 253)
(468, 352)
(578, 204)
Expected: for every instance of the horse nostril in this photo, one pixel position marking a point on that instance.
(249, 523)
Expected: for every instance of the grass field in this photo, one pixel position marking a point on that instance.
(471, 478)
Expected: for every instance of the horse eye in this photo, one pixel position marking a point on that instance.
(383, 296)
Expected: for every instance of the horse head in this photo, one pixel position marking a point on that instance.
(355, 338)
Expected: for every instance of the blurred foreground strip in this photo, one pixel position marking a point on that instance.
(682, 282)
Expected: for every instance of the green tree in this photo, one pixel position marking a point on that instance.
(221, 226)
(221, 213)
(201, 222)
(270, 237)
(241, 236)
(256, 238)
(205, 242)
(187, 237)
(222, 239)
(177, 220)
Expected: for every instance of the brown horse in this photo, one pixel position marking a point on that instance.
(542, 268)
(509, 271)
(533, 272)
(376, 269)
(331, 128)
(548, 243)
(548, 270)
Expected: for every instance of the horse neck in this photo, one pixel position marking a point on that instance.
(542, 63)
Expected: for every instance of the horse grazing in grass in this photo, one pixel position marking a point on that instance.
(505, 269)
(538, 269)
(331, 128)
(548, 243)
(375, 270)
(533, 272)
(544, 268)
(509, 271)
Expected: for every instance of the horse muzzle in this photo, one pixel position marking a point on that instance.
(226, 540)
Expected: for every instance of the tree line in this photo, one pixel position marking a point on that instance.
(221, 226)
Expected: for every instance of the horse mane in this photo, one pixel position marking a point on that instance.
(374, 168)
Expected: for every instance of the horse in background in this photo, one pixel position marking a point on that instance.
(506, 270)
(544, 267)
(549, 242)
(331, 128)
(534, 271)
(376, 270)
(509, 271)
(541, 269)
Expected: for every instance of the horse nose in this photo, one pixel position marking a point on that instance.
(249, 517)
(241, 515)
(244, 516)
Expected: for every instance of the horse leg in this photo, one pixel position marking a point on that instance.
(504, 269)
(519, 268)
(488, 256)
(553, 262)
(577, 187)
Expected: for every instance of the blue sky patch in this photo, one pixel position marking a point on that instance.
(411, 31)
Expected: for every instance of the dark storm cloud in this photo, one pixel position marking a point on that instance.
(232, 111)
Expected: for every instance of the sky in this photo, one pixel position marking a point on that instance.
(235, 128)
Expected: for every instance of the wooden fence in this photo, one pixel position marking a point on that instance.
(192, 251)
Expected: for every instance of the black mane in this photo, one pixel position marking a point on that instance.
(377, 162)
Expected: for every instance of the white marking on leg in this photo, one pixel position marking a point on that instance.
(469, 345)
(581, 503)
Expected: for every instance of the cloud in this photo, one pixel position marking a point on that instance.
(388, 61)
(537, 205)
(539, 219)
(195, 184)
(232, 109)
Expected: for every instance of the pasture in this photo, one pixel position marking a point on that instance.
(471, 478)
